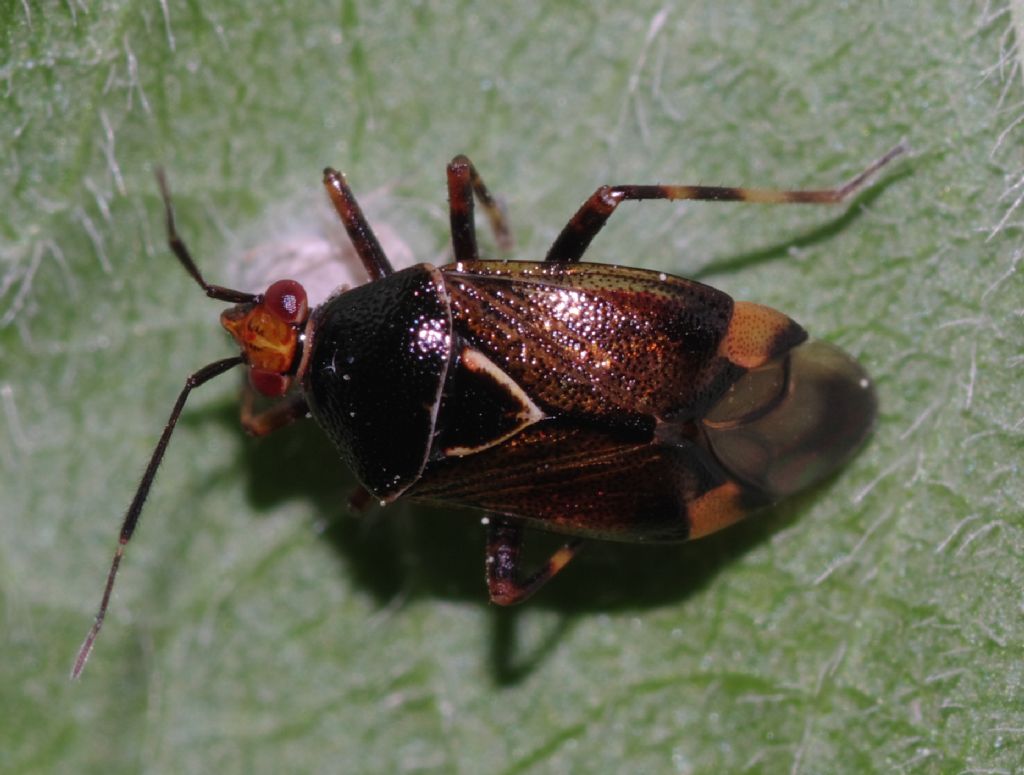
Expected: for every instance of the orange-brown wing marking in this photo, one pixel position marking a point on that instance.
(716, 509)
(756, 334)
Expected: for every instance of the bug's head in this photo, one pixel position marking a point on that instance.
(269, 331)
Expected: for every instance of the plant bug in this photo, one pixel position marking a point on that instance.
(592, 400)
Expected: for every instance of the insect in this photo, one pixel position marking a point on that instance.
(592, 400)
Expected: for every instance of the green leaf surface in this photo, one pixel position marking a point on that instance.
(874, 624)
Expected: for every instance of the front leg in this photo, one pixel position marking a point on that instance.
(363, 239)
(276, 416)
(504, 571)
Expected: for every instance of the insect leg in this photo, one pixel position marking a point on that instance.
(463, 183)
(359, 231)
(592, 216)
(278, 415)
(504, 580)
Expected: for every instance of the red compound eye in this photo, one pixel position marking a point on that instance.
(286, 299)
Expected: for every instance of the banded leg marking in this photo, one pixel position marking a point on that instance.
(504, 570)
(591, 217)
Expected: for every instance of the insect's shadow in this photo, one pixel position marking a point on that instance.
(410, 550)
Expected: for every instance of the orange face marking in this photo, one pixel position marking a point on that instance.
(267, 342)
(755, 334)
(715, 509)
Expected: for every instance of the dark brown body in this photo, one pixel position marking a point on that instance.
(582, 398)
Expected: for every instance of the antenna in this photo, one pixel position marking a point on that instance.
(205, 374)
